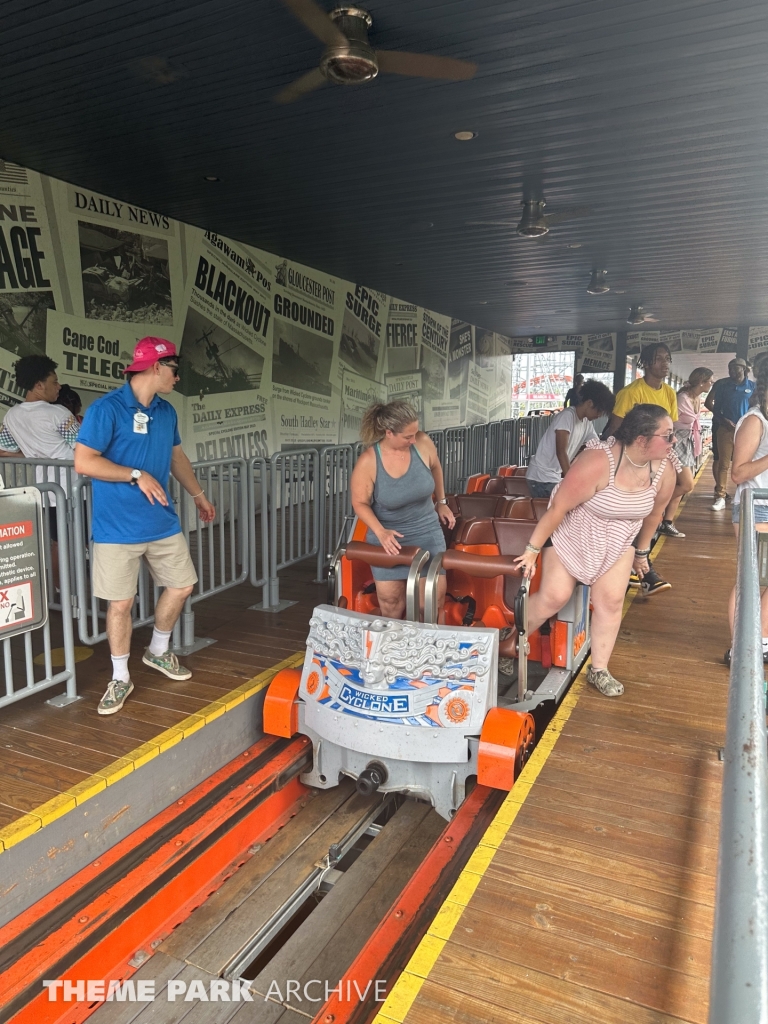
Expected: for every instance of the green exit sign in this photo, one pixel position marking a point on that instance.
(540, 339)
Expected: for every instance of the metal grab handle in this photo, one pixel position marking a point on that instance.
(521, 624)
(430, 589)
(414, 557)
(334, 566)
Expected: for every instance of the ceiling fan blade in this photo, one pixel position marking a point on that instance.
(424, 65)
(492, 223)
(317, 21)
(558, 218)
(301, 86)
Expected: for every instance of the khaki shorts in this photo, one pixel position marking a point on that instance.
(116, 566)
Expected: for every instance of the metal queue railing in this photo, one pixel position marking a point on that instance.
(258, 526)
(294, 514)
(23, 655)
(219, 549)
(20, 472)
(271, 514)
(336, 465)
(739, 974)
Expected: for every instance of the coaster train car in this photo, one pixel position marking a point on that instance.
(420, 707)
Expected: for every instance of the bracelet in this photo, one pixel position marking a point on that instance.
(642, 554)
(441, 501)
(534, 550)
(193, 496)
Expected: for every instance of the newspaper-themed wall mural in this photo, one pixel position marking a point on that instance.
(273, 353)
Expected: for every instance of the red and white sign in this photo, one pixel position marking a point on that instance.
(14, 531)
(16, 604)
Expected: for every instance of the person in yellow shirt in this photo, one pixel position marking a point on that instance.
(651, 389)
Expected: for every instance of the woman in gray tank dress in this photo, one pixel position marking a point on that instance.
(392, 485)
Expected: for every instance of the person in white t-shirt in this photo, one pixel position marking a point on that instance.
(38, 429)
(567, 434)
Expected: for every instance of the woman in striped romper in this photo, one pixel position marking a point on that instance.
(599, 526)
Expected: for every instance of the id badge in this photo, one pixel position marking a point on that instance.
(140, 421)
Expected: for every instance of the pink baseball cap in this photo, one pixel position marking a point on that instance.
(149, 351)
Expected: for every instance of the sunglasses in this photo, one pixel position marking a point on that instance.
(669, 438)
(171, 366)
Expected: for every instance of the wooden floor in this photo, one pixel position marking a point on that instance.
(44, 751)
(598, 903)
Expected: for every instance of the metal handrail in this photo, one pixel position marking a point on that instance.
(739, 976)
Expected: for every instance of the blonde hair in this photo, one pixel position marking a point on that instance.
(378, 419)
(696, 377)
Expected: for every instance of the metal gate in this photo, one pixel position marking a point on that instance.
(19, 655)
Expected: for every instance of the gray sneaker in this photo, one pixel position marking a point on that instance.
(115, 696)
(166, 663)
(603, 681)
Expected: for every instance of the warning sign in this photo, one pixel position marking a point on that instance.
(16, 604)
(22, 574)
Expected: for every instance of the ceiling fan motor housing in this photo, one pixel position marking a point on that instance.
(533, 223)
(636, 315)
(354, 62)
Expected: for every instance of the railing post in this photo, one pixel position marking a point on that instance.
(65, 587)
(739, 976)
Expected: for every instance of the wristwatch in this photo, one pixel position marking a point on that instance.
(135, 475)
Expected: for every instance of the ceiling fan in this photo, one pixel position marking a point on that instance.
(349, 58)
(534, 223)
(637, 316)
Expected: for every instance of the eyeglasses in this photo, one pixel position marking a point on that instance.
(669, 438)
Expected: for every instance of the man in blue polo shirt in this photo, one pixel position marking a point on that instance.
(728, 401)
(129, 444)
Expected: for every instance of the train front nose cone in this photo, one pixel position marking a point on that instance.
(370, 778)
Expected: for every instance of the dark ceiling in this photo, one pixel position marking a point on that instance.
(654, 113)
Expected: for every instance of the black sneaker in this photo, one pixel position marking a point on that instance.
(652, 583)
(668, 529)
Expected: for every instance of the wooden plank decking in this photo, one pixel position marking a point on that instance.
(44, 751)
(598, 903)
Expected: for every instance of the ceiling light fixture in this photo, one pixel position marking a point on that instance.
(464, 136)
(636, 315)
(598, 284)
(533, 223)
(210, 177)
(573, 245)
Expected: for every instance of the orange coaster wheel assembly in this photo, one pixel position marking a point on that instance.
(506, 743)
(281, 704)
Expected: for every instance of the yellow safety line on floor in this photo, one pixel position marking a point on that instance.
(418, 968)
(28, 824)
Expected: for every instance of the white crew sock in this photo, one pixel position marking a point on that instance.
(120, 668)
(160, 642)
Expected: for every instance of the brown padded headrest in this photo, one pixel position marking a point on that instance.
(513, 535)
(522, 508)
(496, 485)
(486, 566)
(517, 485)
(477, 531)
(479, 506)
(374, 555)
